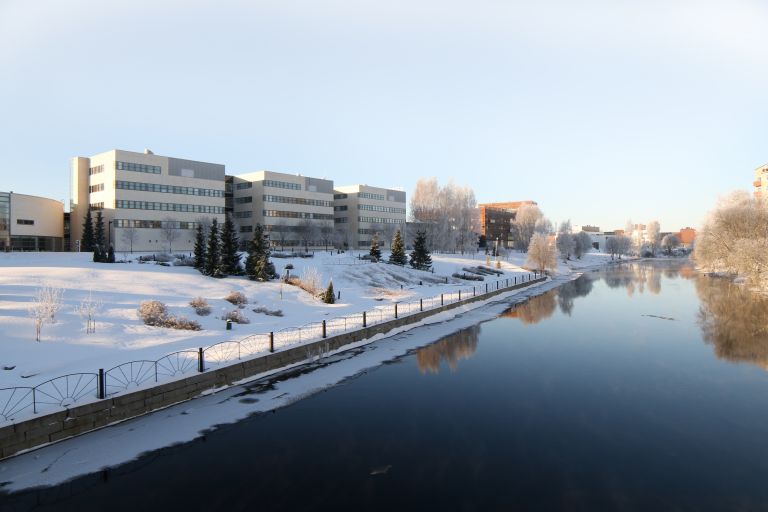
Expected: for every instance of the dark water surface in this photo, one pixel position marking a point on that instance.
(639, 388)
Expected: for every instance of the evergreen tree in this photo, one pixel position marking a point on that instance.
(329, 297)
(398, 250)
(230, 258)
(88, 241)
(97, 257)
(375, 251)
(111, 255)
(213, 254)
(257, 264)
(199, 248)
(420, 258)
(98, 237)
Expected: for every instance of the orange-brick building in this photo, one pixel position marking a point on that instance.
(496, 219)
(686, 236)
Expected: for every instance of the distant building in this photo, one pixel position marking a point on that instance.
(30, 223)
(686, 236)
(296, 211)
(149, 202)
(760, 182)
(496, 220)
(590, 229)
(362, 211)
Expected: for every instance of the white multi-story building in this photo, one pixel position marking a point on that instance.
(296, 211)
(361, 211)
(30, 223)
(149, 202)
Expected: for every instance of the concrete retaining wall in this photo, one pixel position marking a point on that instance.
(73, 421)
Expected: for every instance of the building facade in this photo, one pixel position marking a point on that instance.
(30, 223)
(496, 220)
(760, 182)
(296, 211)
(362, 211)
(150, 203)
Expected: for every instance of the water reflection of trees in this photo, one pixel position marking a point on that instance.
(732, 320)
(580, 287)
(640, 277)
(452, 349)
(535, 309)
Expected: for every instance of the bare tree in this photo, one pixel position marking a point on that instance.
(525, 225)
(565, 242)
(612, 246)
(307, 231)
(170, 232)
(583, 244)
(669, 243)
(541, 253)
(87, 310)
(624, 245)
(653, 232)
(47, 303)
(129, 235)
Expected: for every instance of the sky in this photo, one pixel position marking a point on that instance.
(601, 111)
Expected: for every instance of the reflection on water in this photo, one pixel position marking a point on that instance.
(452, 349)
(732, 319)
(534, 310)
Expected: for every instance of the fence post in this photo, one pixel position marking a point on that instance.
(34, 402)
(442, 302)
(102, 393)
(365, 324)
(474, 292)
(271, 341)
(459, 294)
(421, 304)
(324, 329)
(497, 285)
(395, 309)
(200, 362)
(486, 287)
(515, 279)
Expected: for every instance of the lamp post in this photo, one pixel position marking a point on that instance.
(109, 234)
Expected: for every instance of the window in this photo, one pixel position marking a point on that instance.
(297, 215)
(153, 224)
(130, 166)
(97, 206)
(339, 196)
(244, 215)
(25, 222)
(297, 200)
(96, 188)
(95, 170)
(340, 220)
(168, 189)
(342, 208)
(368, 195)
(243, 200)
(168, 207)
(241, 186)
(377, 208)
(246, 229)
(282, 184)
(379, 220)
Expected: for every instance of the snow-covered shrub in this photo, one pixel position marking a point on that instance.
(163, 257)
(236, 298)
(267, 311)
(87, 310)
(467, 277)
(183, 323)
(184, 261)
(200, 306)
(236, 316)
(153, 312)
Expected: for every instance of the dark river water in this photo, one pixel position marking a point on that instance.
(643, 387)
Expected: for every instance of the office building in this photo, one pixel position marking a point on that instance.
(149, 202)
(30, 223)
(362, 211)
(496, 220)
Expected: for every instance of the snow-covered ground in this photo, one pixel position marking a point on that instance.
(120, 336)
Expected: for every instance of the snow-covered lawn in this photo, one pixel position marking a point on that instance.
(120, 336)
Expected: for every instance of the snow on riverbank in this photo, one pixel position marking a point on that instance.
(120, 336)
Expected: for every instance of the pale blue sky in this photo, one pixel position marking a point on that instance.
(599, 110)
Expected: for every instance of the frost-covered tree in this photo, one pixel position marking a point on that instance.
(258, 267)
(170, 232)
(88, 241)
(653, 233)
(129, 235)
(624, 245)
(213, 255)
(612, 246)
(544, 226)
(230, 257)
(398, 250)
(199, 250)
(541, 253)
(669, 243)
(45, 305)
(565, 242)
(583, 244)
(420, 257)
(375, 252)
(526, 218)
(88, 309)
(447, 213)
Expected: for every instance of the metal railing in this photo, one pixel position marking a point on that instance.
(67, 390)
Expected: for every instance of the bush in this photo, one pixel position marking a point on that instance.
(153, 312)
(468, 277)
(236, 298)
(201, 306)
(163, 257)
(180, 322)
(267, 311)
(184, 261)
(236, 316)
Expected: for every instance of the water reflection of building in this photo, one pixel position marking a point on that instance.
(535, 309)
(451, 349)
(732, 320)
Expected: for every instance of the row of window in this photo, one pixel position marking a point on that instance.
(282, 184)
(340, 196)
(95, 170)
(244, 215)
(341, 208)
(25, 222)
(246, 229)
(169, 207)
(167, 189)
(297, 200)
(130, 166)
(340, 220)
(244, 185)
(368, 195)
(298, 215)
(379, 220)
(377, 208)
(97, 206)
(153, 224)
(96, 188)
(243, 200)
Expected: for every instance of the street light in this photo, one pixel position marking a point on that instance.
(109, 233)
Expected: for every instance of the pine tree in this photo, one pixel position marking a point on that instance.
(329, 297)
(398, 250)
(230, 257)
(97, 257)
(98, 237)
(88, 240)
(199, 248)
(213, 254)
(257, 264)
(420, 258)
(111, 255)
(375, 251)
